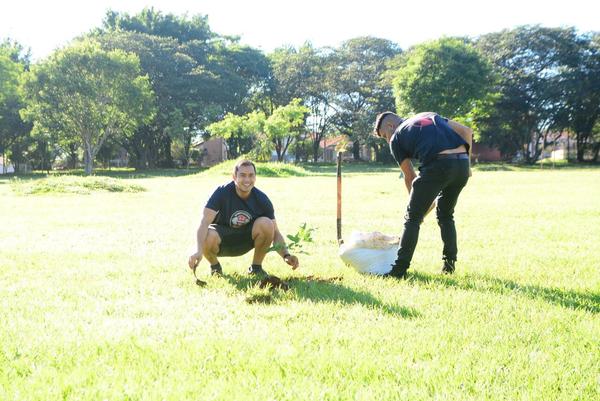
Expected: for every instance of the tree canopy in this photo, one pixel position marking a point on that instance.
(90, 93)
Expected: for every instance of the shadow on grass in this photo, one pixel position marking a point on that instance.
(570, 299)
(325, 290)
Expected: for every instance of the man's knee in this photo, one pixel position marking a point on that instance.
(444, 215)
(414, 217)
(212, 243)
(263, 227)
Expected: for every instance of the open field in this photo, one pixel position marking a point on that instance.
(96, 300)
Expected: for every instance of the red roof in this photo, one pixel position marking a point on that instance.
(328, 142)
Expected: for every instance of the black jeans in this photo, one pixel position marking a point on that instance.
(446, 178)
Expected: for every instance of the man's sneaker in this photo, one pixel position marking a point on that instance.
(257, 270)
(448, 267)
(398, 271)
(216, 270)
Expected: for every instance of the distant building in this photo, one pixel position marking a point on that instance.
(484, 153)
(6, 168)
(330, 146)
(211, 152)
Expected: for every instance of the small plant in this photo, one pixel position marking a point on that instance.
(296, 241)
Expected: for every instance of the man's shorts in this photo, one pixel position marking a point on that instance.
(234, 241)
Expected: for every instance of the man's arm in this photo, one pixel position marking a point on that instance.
(465, 133)
(291, 260)
(207, 218)
(409, 173)
(409, 176)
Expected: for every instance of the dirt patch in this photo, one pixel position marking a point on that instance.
(324, 279)
(260, 298)
(273, 282)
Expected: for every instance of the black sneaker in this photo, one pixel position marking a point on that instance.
(398, 271)
(257, 270)
(448, 267)
(216, 270)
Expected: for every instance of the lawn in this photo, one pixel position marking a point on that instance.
(97, 302)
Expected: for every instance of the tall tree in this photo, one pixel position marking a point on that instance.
(174, 84)
(303, 73)
(197, 75)
(85, 91)
(14, 132)
(446, 76)
(528, 61)
(356, 71)
(579, 86)
(282, 127)
(153, 22)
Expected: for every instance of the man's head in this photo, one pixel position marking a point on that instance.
(385, 125)
(244, 176)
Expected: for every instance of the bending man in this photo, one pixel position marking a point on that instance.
(442, 147)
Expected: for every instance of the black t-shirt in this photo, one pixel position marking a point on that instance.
(423, 136)
(236, 212)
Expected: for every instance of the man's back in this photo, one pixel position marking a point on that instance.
(423, 136)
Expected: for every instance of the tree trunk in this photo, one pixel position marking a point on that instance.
(167, 157)
(595, 152)
(278, 149)
(187, 143)
(580, 147)
(73, 156)
(88, 159)
(356, 150)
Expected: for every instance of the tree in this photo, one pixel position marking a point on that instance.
(303, 73)
(281, 127)
(446, 76)
(197, 76)
(87, 92)
(579, 84)
(14, 132)
(235, 129)
(174, 84)
(152, 22)
(279, 130)
(528, 61)
(9, 73)
(356, 71)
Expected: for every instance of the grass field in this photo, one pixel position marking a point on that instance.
(96, 300)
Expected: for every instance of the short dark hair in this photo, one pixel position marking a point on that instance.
(379, 121)
(243, 162)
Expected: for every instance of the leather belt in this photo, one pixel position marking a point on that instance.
(460, 156)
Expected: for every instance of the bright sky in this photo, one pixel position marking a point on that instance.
(267, 24)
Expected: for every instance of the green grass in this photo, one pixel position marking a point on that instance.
(262, 169)
(96, 301)
(71, 185)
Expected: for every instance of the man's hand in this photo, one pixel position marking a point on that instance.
(194, 260)
(292, 260)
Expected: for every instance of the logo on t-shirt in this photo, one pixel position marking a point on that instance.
(240, 218)
(424, 122)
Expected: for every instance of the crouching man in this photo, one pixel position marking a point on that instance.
(237, 218)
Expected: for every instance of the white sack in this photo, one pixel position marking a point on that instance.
(372, 253)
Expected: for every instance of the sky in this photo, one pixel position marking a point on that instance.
(46, 25)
